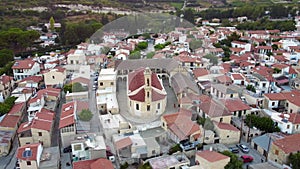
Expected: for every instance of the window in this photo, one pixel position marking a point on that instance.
(276, 152)
(53, 77)
(72, 62)
(231, 95)
(111, 83)
(137, 107)
(227, 136)
(28, 162)
(291, 110)
(158, 106)
(40, 134)
(221, 119)
(101, 83)
(273, 103)
(148, 107)
(148, 82)
(288, 126)
(297, 126)
(264, 84)
(148, 94)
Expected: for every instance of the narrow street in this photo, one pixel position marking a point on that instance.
(55, 130)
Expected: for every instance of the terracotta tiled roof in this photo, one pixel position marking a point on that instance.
(100, 163)
(67, 114)
(181, 124)
(211, 156)
(200, 72)
(81, 80)
(235, 104)
(140, 96)
(294, 118)
(214, 109)
(23, 64)
(35, 79)
(289, 144)
(45, 92)
(5, 79)
(224, 79)
(275, 96)
(226, 126)
(16, 108)
(24, 127)
(280, 66)
(237, 76)
(136, 79)
(122, 143)
(33, 148)
(10, 121)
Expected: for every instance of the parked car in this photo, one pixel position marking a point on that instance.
(247, 158)
(243, 148)
(67, 149)
(234, 149)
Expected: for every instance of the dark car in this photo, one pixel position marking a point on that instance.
(67, 149)
(234, 149)
(247, 159)
(243, 148)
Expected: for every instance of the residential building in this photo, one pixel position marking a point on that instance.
(39, 130)
(67, 123)
(146, 93)
(29, 155)
(236, 106)
(222, 91)
(227, 133)
(176, 161)
(7, 84)
(281, 149)
(214, 110)
(238, 79)
(88, 146)
(179, 127)
(106, 94)
(211, 160)
(25, 68)
(263, 143)
(183, 84)
(34, 156)
(76, 58)
(55, 77)
(283, 102)
(288, 123)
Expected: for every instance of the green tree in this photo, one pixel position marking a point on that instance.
(251, 88)
(68, 88)
(150, 55)
(195, 44)
(174, 149)
(234, 162)
(135, 55)
(142, 45)
(51, 22)
(77, 87)
(212, 58)
(294, 160)
(6, 56)
(85, 115)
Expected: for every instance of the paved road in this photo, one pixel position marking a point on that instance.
(256, 156)
(55, 140)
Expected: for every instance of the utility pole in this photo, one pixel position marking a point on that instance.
(241, 135)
